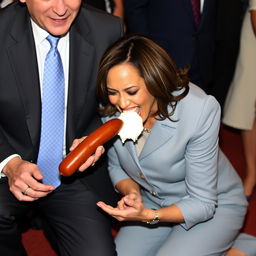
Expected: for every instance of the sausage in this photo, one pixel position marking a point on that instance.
(88, 146)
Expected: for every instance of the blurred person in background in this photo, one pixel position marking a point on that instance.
(240, 105)
(184, 28)
(228, 30)
(114, 7)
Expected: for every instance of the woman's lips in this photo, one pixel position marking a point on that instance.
(135, 109)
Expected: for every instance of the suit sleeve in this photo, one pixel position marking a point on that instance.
(5, 148)
(201, 167)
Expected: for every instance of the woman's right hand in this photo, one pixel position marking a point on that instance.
(129, 208)
(124, 202)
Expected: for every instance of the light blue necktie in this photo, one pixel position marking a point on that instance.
(52, 120)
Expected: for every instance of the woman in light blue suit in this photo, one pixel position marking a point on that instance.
(181, 196)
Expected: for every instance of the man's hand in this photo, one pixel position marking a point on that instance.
(24, 180)
(92, 159)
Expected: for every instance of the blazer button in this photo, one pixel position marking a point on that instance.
(142, 176)
(154, 193)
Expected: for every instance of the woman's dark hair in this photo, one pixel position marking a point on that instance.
(154, 65)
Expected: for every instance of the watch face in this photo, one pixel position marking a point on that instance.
(156, 218)
(152, 222)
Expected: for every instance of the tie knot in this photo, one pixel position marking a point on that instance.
(53, 40)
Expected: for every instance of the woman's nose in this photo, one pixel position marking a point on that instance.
(123, 102)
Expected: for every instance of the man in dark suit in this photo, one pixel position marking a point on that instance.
(228, 30)
(172, 25)
(70, 209)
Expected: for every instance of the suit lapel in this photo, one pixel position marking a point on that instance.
(131, 148)
(188, 7)
(24, 65)
(162, 132)
(81, 57)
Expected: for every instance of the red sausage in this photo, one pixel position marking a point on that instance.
(87, 147)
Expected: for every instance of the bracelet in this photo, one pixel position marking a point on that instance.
(155, 220)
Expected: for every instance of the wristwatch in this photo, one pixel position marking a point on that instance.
(155, 220)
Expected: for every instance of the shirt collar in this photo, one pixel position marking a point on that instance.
(40, 34)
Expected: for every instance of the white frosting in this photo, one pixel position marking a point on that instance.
(132, 126)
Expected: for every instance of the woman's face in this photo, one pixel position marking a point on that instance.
(127, 91)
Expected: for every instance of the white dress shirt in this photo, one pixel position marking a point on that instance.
(201, 5)
(5, 3)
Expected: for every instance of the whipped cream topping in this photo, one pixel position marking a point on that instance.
(132, 126)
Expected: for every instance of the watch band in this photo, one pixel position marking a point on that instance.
(155, 220)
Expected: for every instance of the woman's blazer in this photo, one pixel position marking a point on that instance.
(181, 162)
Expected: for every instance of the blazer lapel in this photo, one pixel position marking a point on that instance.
(161, 133)
(132, 150)
(24, 65)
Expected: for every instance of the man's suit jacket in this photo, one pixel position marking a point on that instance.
(181, 163)
(171, 23)
(20, 101)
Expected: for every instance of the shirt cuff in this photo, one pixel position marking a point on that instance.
(3, 163)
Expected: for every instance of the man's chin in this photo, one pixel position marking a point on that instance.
(58, 32)
(59, 29)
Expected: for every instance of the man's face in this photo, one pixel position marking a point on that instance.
(54, 16)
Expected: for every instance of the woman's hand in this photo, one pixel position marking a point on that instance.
(130, 198)
(130, 207)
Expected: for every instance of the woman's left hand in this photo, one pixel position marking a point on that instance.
(130, 207)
